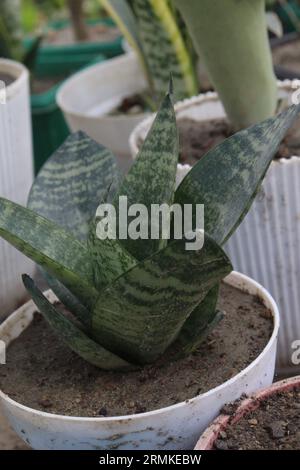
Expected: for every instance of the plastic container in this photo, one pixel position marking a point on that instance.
(53, 60)
(16, 176)
(174, 427)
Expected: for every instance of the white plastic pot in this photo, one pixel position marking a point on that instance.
(89, 96)
(266, 246)
(174, 427)
(16, 175)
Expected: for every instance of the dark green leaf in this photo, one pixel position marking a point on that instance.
(124, 18)
(50, 246)
(141, 313)
(110, 259)
(72, 335)
(69, 300)
(192, 333)
(71, 184)
(165, 49)
(228, 177)
(151, 179)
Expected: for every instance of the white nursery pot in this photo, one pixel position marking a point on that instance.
(173, 427)
(88, 97)
(16, 176)
(266, 246)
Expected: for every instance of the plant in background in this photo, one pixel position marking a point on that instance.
(11, 35)
(78, 19)
(231, 39)
(154, 29)
(133, 299)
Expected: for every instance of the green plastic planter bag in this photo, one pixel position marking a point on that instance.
(285, 18)
(65, 59)
(48, 123)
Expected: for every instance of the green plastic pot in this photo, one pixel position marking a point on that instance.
(65, 59)
(288, 25)
(48, 123)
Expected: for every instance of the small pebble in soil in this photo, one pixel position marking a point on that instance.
(276, 429)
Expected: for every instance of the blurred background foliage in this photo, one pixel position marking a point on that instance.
(37, 13)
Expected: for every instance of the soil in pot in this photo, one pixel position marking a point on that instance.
(197, 138)
(44, 374)
(275, 425)
(131, 105)
(6, 78)
(287, 55)
(96, 33)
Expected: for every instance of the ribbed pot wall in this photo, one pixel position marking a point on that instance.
(16, 174)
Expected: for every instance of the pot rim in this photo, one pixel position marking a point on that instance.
(201, 99)
(68, 109)
(211, 434)
(240, 281)
(18, 71)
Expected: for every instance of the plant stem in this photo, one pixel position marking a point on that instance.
(231, 38)
(77, 19)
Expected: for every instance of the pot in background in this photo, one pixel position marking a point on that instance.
(209, 437)
(88, 98)
(173, 427)
(266, 244)
(16, 176)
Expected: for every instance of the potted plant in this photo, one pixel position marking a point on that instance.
(268, 420)
(16, 172)
(244, 80)
(139, 304)
(109, 100)
(70, 44)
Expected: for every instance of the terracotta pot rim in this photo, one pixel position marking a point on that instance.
(251, 403)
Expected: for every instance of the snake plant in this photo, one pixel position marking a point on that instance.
(231, 38)
(154, 29)
(132, 300)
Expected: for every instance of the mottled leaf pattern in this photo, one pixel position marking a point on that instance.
(69, 300)
(72, 183)
(110, 259)
(50, 246)
(151, 179)
(72, 335)
(164, 48)
(141, 313)
(191, 334)
(124, 18)
(228, 177)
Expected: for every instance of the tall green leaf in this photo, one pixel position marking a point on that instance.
(151, 179)
(72, 183)
(110, 259)
(227, 178)
(141, 313)
(72, 335)
(124, 18)
(192, 332)
(69, 300)
(165, 48)
(50, 246)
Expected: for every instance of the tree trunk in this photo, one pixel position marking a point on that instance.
(77, 19)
